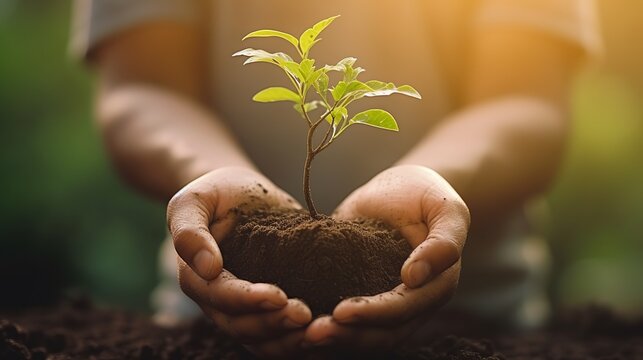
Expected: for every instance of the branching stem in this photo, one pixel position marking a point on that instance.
(321, 144)
(311, 152)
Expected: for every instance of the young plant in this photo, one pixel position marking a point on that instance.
(334, 101)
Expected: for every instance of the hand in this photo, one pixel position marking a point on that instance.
(433, 218)
(259, 315)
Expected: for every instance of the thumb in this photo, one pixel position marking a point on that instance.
(448, 225)
(189, 214)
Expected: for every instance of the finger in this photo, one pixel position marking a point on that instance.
(229, 294)
(189, 214)
(257, 327)
(447, 220)
(325, 331)
(280, 346)
(285, 347)
(400, 304)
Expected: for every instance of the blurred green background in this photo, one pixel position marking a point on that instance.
(66, 222)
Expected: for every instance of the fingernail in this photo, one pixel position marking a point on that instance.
(267, 305)
(291, 324)
(420, 271)
(204, 263)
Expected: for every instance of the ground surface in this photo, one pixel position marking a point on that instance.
(78, 330)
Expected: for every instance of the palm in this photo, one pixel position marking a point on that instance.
(199, 217)
(434, 219)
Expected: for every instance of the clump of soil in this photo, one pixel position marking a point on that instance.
(319, 260)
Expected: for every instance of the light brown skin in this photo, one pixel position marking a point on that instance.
(502, 147)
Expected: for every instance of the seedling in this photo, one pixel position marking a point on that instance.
(334, 101)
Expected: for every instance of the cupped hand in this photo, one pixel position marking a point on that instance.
(435, 220)
(259, 315)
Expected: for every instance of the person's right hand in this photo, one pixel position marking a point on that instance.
(259, 315)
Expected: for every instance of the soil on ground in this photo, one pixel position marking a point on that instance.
(319, 260)
(79, 330)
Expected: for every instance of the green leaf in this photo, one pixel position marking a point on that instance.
(309, 37)
(344, 89)
(377, 85)
(339, 90)
(356, 85)
(280, 59)
(350, 74)
(306, 67)
(346, 66)
(389, 89)
(257, 55)
(321, 85)
(314, 77)
(292, 68)
(342, 64)
(306, 41)
(323, 82)
(320, 26)
(309, 106)
(273, 94)
(273, 33)
(408, 90)
(337, 115)
(377, 118)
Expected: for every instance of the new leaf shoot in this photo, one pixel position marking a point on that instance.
(334, 100)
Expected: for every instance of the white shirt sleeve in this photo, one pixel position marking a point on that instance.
(97, 20)
(574, 21)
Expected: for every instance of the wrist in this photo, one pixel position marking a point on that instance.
(411, 169)
(199, 168)
(458, 176)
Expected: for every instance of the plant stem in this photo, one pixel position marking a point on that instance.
(310, 155)
(321, 144)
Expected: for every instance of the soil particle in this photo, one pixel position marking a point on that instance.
(265, 191)
(319, 260)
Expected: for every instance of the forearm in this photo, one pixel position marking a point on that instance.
(160, 141)
(496, 154)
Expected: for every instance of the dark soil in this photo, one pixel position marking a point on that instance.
(78, 330)
(319, 260)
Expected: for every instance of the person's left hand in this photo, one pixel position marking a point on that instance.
(435, 220)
